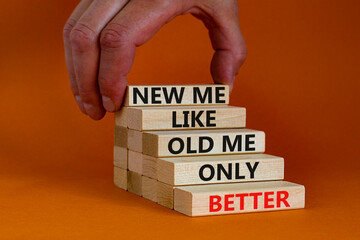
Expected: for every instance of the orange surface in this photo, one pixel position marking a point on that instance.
(300, 84)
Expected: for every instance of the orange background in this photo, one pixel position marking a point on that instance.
(300, 84)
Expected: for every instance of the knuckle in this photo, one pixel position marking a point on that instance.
(82, 37)
(227, 4)
(240, 54)
(68, 28)
(114, 36)
(162, 3)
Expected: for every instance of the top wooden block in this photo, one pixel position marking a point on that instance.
(155, 95)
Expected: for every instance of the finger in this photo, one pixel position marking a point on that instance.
(75, 16)
(132, 27)
(85, 52)
(222, 22)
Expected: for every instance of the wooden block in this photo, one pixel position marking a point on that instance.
(165, 195)
(152, 95)
(120, 178)
(121, 117)
(134, 141)
(121, 136)
(149, 187)
(215, 199)
(203, 142)
(219, 169)
(149, 167)
(135, 161)
(185, 117)
(134, 183)
(120, 157)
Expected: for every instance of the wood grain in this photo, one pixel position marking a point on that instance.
(149, 166)
(149, 188)
(165, 195)
(120, 178)
(134, 141)
(120, 157)
(120, 136)
(134, 183)
(135, 162)
(121, 117)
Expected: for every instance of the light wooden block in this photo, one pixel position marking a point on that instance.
(120, 178)
(185, 117)
(165, 195)
(149, 166)
(121, 136)
(135, 161)
(152, 95)
(120, 157)
(149, 188)
(134, 183)
(134, 141)
(202, 142)
(121, 117)
(216, 199)
(219, 169)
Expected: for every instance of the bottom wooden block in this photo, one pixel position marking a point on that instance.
(134, 183)
(120, 178)
(158, 192)
(149, 188)
(165, 194)
(216, 199)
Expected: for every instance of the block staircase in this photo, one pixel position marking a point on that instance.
(185, 148)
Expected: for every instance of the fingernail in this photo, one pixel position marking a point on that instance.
(80, 103)
(108, 104)
(90, 109)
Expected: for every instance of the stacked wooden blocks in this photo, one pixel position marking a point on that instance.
(183, 147)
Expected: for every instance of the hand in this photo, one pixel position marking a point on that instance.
(101, 36)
